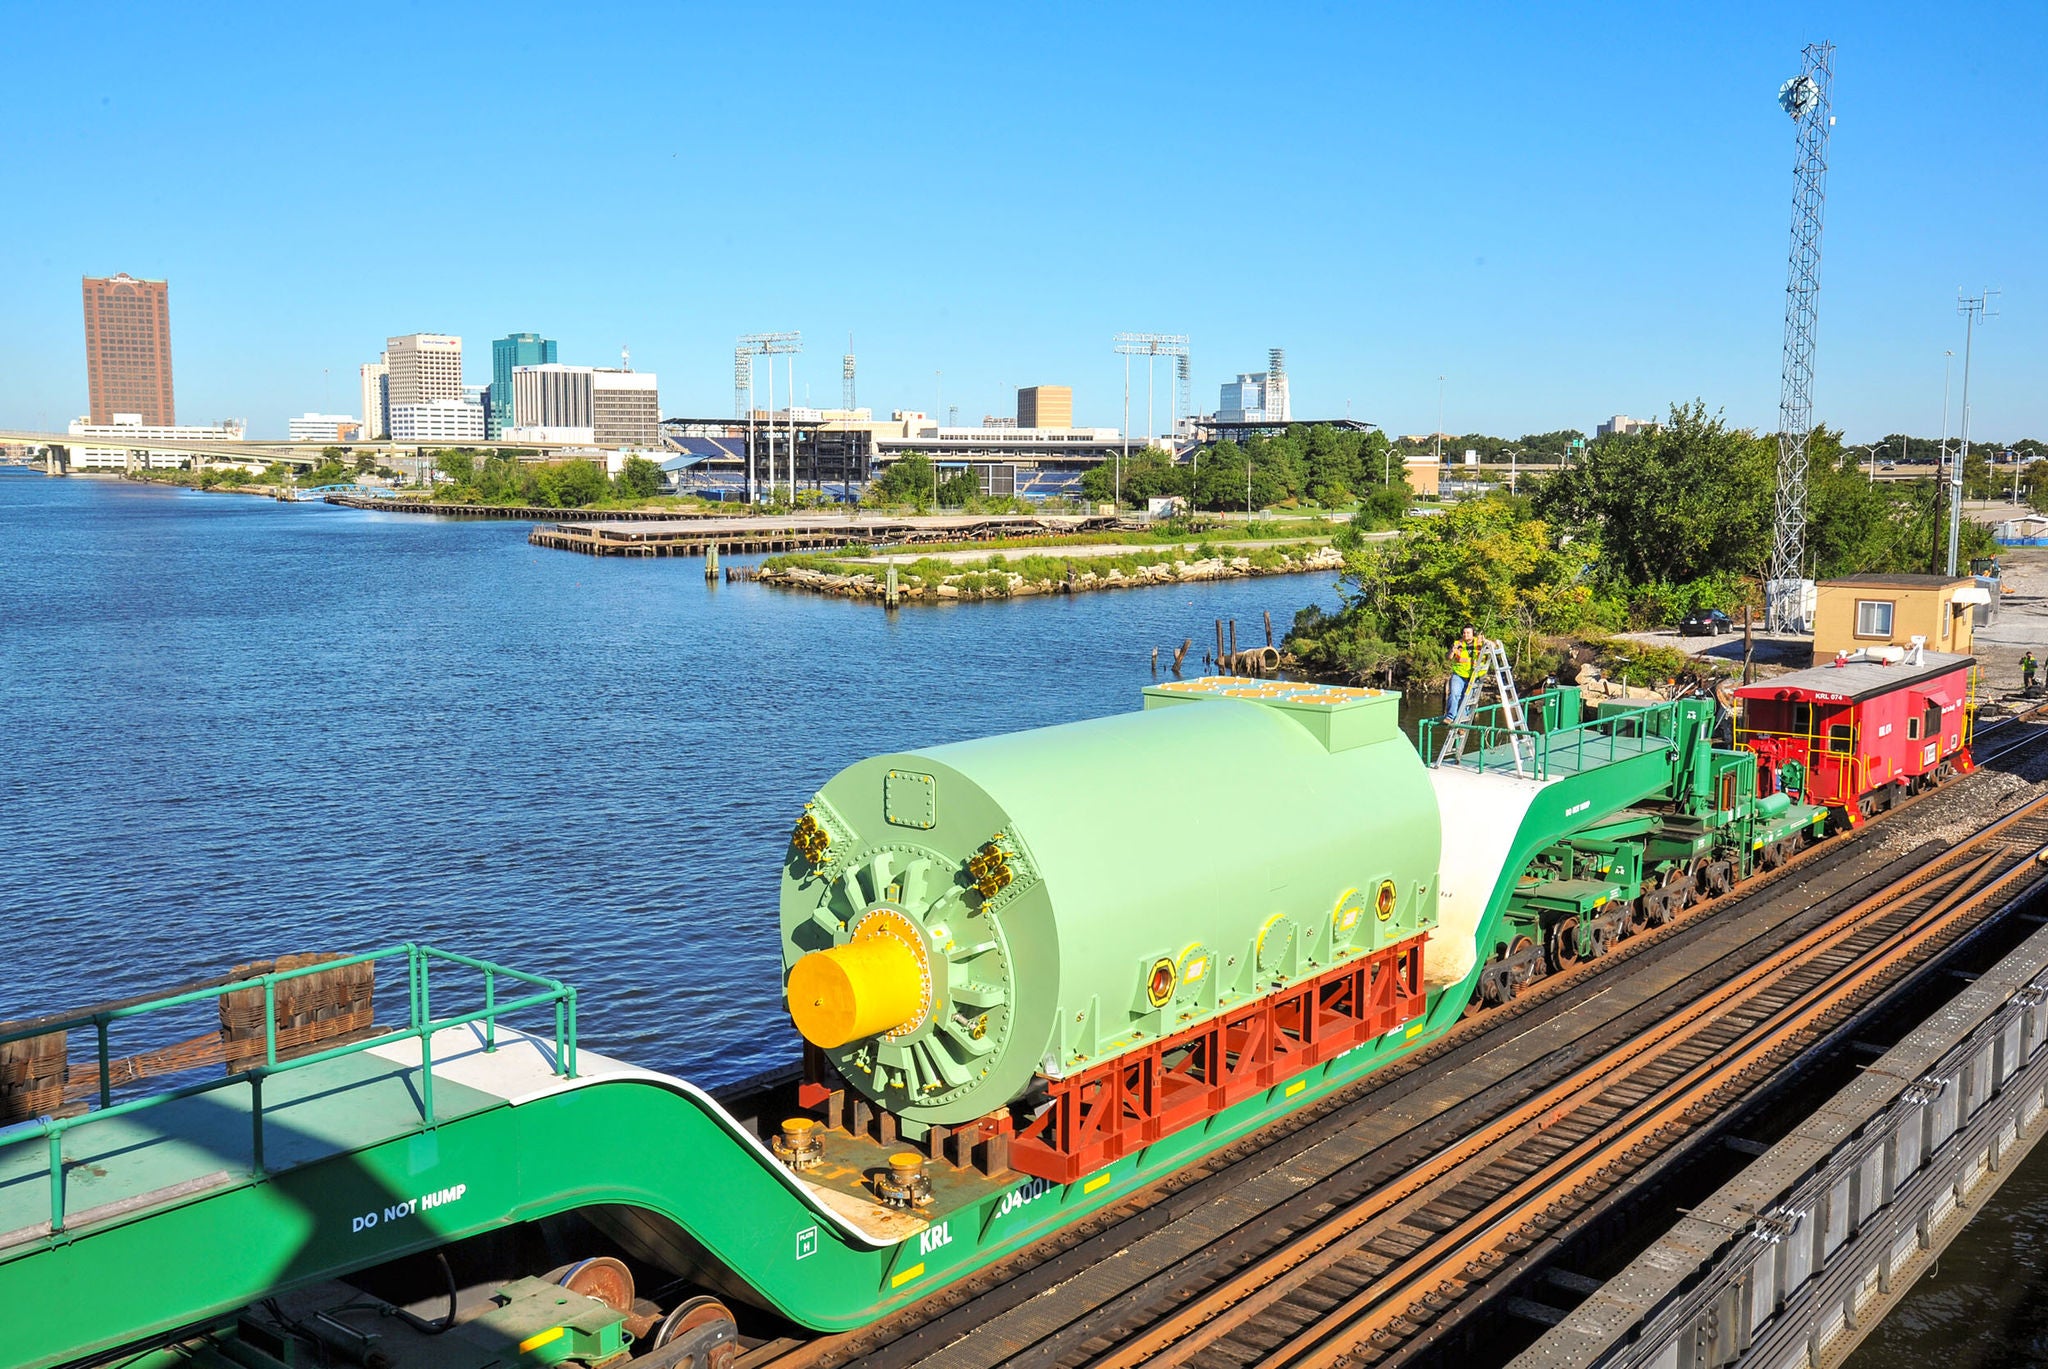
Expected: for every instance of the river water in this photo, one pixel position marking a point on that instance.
(237, 728)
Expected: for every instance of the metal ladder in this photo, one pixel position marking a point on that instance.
(1495, 667)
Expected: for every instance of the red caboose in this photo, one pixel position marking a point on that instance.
(1857, 735)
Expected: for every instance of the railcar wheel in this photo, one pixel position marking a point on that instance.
(604, 1278)
(1564, 944)
(1531, 966)
(704, 1331)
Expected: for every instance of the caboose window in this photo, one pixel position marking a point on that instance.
(1873, 618)
(1839, 738)
(1912, 729)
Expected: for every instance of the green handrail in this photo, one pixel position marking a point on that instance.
(1634, 723)
(420, 1024)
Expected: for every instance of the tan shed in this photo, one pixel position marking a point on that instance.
(1861, 611)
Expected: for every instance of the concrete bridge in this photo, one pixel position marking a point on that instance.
(56, 448)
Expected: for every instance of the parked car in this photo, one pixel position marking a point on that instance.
(1705, 622)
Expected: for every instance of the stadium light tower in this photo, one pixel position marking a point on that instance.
(770, 345)
(1807, 99)
(1151, 346)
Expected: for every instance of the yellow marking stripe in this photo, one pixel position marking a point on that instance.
(1097, 1182)
(535, 1342)
(907, 1275)
(1296, 1087)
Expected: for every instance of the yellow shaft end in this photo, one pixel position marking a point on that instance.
(865, 988)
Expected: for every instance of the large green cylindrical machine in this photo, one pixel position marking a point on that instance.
(959, 920)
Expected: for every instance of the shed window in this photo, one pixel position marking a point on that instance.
(1840, 738)
(1873, 617)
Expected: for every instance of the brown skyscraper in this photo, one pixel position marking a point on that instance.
(128, 349)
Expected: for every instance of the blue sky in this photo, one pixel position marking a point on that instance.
(1567, 212)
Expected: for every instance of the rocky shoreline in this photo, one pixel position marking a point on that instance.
(996, 582)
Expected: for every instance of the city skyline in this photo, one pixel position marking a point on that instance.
(1564, 223)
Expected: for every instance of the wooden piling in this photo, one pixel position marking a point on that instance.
(1233, 643)
(1181, 655)
(1269, 627)
(711, 561)
(1219, 644)
(1155, 662)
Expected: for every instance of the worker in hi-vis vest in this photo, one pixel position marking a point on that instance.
(1465, 667)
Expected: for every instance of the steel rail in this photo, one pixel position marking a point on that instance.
(1415, 1290)
(1208, 1319)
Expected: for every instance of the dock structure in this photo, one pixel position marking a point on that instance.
(516, 513)
(697, 536)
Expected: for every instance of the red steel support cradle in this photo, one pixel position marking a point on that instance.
(1116, 1107)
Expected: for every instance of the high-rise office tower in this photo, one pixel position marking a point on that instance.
(424, 367)
(376, 378)
(128, 349)
(1045, 406)
(514, 349)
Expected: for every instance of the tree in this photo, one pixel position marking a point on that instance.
(639, 479)
(909, 480)
(1484, 561)
(459, 467)
(956, 489)
(1680, 502)
(572, 484)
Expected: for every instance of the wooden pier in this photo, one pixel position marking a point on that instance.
(521, 513)
(696, 536)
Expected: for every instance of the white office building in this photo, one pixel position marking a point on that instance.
(376, 377)
(311, 427)
(443, 420)
(606, 408)
(425, 367)
(130, 428)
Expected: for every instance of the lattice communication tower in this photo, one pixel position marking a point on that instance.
(846, 391)
(1808, 99)
(742, 380)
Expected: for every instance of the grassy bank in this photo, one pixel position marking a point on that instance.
(998, 576)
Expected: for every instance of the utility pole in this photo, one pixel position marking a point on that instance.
(1973, 308)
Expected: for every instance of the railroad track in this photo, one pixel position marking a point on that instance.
(1350, 1266)
(1355, 1287)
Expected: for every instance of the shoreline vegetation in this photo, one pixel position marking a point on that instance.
(929, 580)
(1637, 531)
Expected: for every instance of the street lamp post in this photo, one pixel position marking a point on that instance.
(1871, 453)
(1439, 420)
(1972, 309)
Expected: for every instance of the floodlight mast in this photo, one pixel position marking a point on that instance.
(1807, 98)
(769, 345)
(1150, 346)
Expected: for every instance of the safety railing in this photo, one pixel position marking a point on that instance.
(1826, 758)
(420, 1024)
(1597, 741)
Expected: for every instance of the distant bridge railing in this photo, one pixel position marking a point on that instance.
(316, 492)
